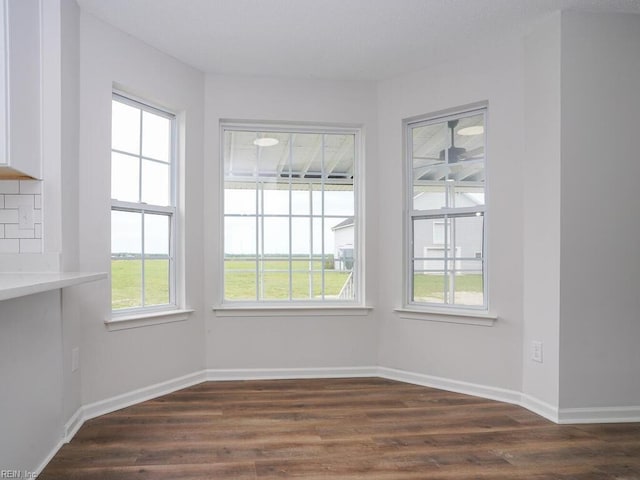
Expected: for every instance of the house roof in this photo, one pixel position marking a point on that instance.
(347, 222)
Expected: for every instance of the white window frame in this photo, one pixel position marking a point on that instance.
(411, 308)
(262, 307)
(138, 313)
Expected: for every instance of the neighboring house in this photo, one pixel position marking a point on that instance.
(344, 239)
(435, 238)
(459, 238)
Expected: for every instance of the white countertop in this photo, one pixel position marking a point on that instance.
(13, 285)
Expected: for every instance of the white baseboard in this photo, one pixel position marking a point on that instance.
(599, 415)
(289, 373)
(491, 393)
(118, 402)
(48, 458)
(73, 424)
(539, 407)
(567, 415)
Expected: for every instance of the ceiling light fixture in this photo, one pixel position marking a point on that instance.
(266, 142)
(474, 130)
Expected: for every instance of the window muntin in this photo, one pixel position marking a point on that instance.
(142, 207)
(446, 211)
(289, 214)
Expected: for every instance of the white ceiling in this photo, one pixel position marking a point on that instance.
(331, 39)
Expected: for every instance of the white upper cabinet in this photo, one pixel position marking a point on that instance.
(20, 89)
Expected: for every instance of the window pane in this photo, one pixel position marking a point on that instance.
(467, 235)
(155, 183)
(125, 177)
(156, 234)
(126, 263)
(338, 285)
(430, 197)
(156, 281)
(457, 261)
(302, 286)
(141, 241)
(317, 207)
(240, 236)
(276, 236)
(239, 279)
(307, 155)
(125, 128)
(273, 158)
(296, 174)
(301, 236)
(469, 288)
(428, 287)
(448, 163)
(126, 234)
(275, 286)
(276, 202)
(317, 237)
(300, 201)
(339, 155)
(156, 136)
(239, 201)
(126, 283)
(240, 155)
(339, 202)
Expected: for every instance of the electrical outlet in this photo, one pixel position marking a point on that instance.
(536, 351)
(75, 359)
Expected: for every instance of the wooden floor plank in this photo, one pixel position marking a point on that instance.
(340, 429)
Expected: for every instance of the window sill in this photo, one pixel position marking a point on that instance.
(291, 311)
(124, 322)
(465, 317)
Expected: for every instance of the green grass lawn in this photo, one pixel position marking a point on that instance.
(240, 282)
(126, 283)
(430, 288)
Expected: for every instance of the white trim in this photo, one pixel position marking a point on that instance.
(466, 317)
(291, 310)
(358, 183)
(215, 375)
(599, 415)
(562, 416)
(408, 124)
(139, 395)
(73, 425)
(539, 407)
(48, 458)
(467, 388)
(143, 208)
(147, 318)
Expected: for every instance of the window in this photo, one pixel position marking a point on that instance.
(446, 211)
(290, 215)
(143, 207)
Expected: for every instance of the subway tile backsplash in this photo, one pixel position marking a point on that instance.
(20, 216)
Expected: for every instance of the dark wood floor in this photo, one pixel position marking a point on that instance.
(339, 429)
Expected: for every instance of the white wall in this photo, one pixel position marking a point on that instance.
(485, 355)
(561, 159)
(541, 182)
(116, 362)
(600, 263)
(300, 341)
(31, 375)
(68, 191)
